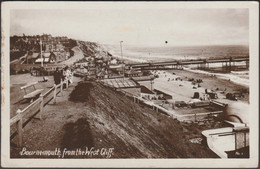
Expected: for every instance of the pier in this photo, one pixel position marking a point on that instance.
(202, 63)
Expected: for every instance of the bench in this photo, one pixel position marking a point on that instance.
(32, 95)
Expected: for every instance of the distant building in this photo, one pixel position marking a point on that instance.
(82, 64)
(48, 47)
(46, 37)
(47, 57)
(117, 69)
(52, 58)
(61, 56)
(59, 47)
(133, 73)
(143, 78)
(31, 57)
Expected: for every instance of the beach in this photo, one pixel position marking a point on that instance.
(183, 90)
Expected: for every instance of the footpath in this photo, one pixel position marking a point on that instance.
(47, 133)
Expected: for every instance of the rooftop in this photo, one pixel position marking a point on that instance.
(146, 90)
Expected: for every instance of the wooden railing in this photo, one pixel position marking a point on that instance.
(198, 117)
(36, 107)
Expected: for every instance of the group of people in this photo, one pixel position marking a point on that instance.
(64, 74)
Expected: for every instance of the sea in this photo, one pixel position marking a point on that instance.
(137, 54)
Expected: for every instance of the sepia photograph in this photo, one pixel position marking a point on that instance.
(129, 84)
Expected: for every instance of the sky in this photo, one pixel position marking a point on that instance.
(138, 26)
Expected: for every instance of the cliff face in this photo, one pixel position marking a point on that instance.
(93, 49)
(133, 130)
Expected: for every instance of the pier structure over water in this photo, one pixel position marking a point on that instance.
(227, 63)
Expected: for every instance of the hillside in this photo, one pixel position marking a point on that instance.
(92, 115)
(133, 131)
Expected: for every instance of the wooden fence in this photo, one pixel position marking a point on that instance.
(36, 107)
(198, 117)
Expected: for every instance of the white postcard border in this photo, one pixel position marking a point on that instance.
(216, 163)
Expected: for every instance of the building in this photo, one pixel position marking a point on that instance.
(52, 58)
(119, 70)
(31, 57)
(61, 56)
(133, 73)
(82, 64)
(59, 47)
(47, 57)
(46, 37)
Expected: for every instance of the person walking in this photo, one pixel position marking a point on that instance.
(57, 76)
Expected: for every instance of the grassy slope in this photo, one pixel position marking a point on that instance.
(132, 130)
(106, 119)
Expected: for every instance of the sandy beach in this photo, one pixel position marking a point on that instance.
(183, 90)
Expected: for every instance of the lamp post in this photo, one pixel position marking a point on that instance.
(152, 82)
(41, 53)
(122, 59)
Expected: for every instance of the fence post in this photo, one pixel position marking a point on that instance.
(195, 117)
(134, 99)
(41, 106)
(61, 87)
(54, 94)
(20, 128)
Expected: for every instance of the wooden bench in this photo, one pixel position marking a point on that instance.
(32, 95)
